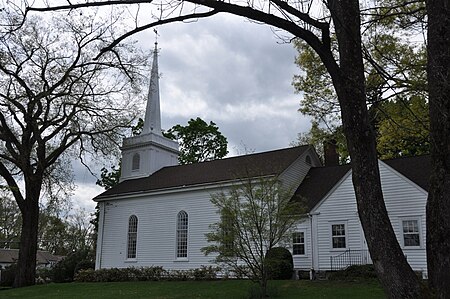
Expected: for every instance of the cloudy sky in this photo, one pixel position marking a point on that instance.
(227, 70)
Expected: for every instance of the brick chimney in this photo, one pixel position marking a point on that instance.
(330, 153)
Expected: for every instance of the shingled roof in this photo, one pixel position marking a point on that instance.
(10, 256)
(216, 171)
(320, 180)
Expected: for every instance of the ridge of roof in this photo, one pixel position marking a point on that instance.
(215, 171)
(42, 256)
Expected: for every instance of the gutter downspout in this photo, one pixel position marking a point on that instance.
(98, 260)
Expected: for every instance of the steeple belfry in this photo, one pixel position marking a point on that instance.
(152, 121)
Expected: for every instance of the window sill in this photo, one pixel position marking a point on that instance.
(300, 255)
(338, 249)
(182, 259)
(131, 261)
(412, 247)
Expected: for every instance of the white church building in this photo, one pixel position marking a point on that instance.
(160, 211)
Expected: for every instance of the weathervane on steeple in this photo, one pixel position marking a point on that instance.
(156, 37)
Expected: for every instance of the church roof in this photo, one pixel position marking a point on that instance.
(216, 171)
(320, 180)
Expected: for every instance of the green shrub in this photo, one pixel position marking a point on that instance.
(145, 274)
(8, 275)
(87, 275)
(205, 273)
(154, 273)
(354, 272)
(44, 275)
(64, 270)
(279, 263)
(84, 264)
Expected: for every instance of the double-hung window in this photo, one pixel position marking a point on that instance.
(411, 234)
(298, 243)
(338, 237)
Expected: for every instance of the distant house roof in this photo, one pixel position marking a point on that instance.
(10, 256)
(216, 171)
(320, 180)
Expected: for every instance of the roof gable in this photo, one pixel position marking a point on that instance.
(216, 171)
(321, 180)
(417, 169)
(318, 182)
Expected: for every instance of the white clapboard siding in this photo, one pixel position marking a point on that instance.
(296, 172)
(303, 262)
(157, 229)
(404, 200)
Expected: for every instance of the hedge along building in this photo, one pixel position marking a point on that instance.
(159, 213)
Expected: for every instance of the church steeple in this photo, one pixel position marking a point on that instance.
(152, 121)
(150, 151)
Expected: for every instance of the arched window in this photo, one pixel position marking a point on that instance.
(132, 237)
(135, 165)
(182, 234)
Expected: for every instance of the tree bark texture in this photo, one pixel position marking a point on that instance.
(394, 272)
(26, 266)
(438, 205)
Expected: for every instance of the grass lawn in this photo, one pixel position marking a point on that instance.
(228, 289)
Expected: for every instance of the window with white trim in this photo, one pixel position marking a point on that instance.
(136, 162)
(411, 235)
(298, 243)
(132, 237)
(182, 235)
(338, 239)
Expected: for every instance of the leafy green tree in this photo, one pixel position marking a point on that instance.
(109, 178)
(10, 222)
(255, 216)
(56, 101)
(319, 136)
(62, 236)
(398, 107)
(199, 141)
(403, 128)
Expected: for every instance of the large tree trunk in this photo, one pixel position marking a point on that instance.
(438, 205)
(26, 265)
(395, 274)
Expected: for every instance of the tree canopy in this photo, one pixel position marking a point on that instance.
(199, 141)
(396, 96)
(57, 101)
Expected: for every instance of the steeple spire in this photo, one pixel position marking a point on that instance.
(152, 121)
(150, 151)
